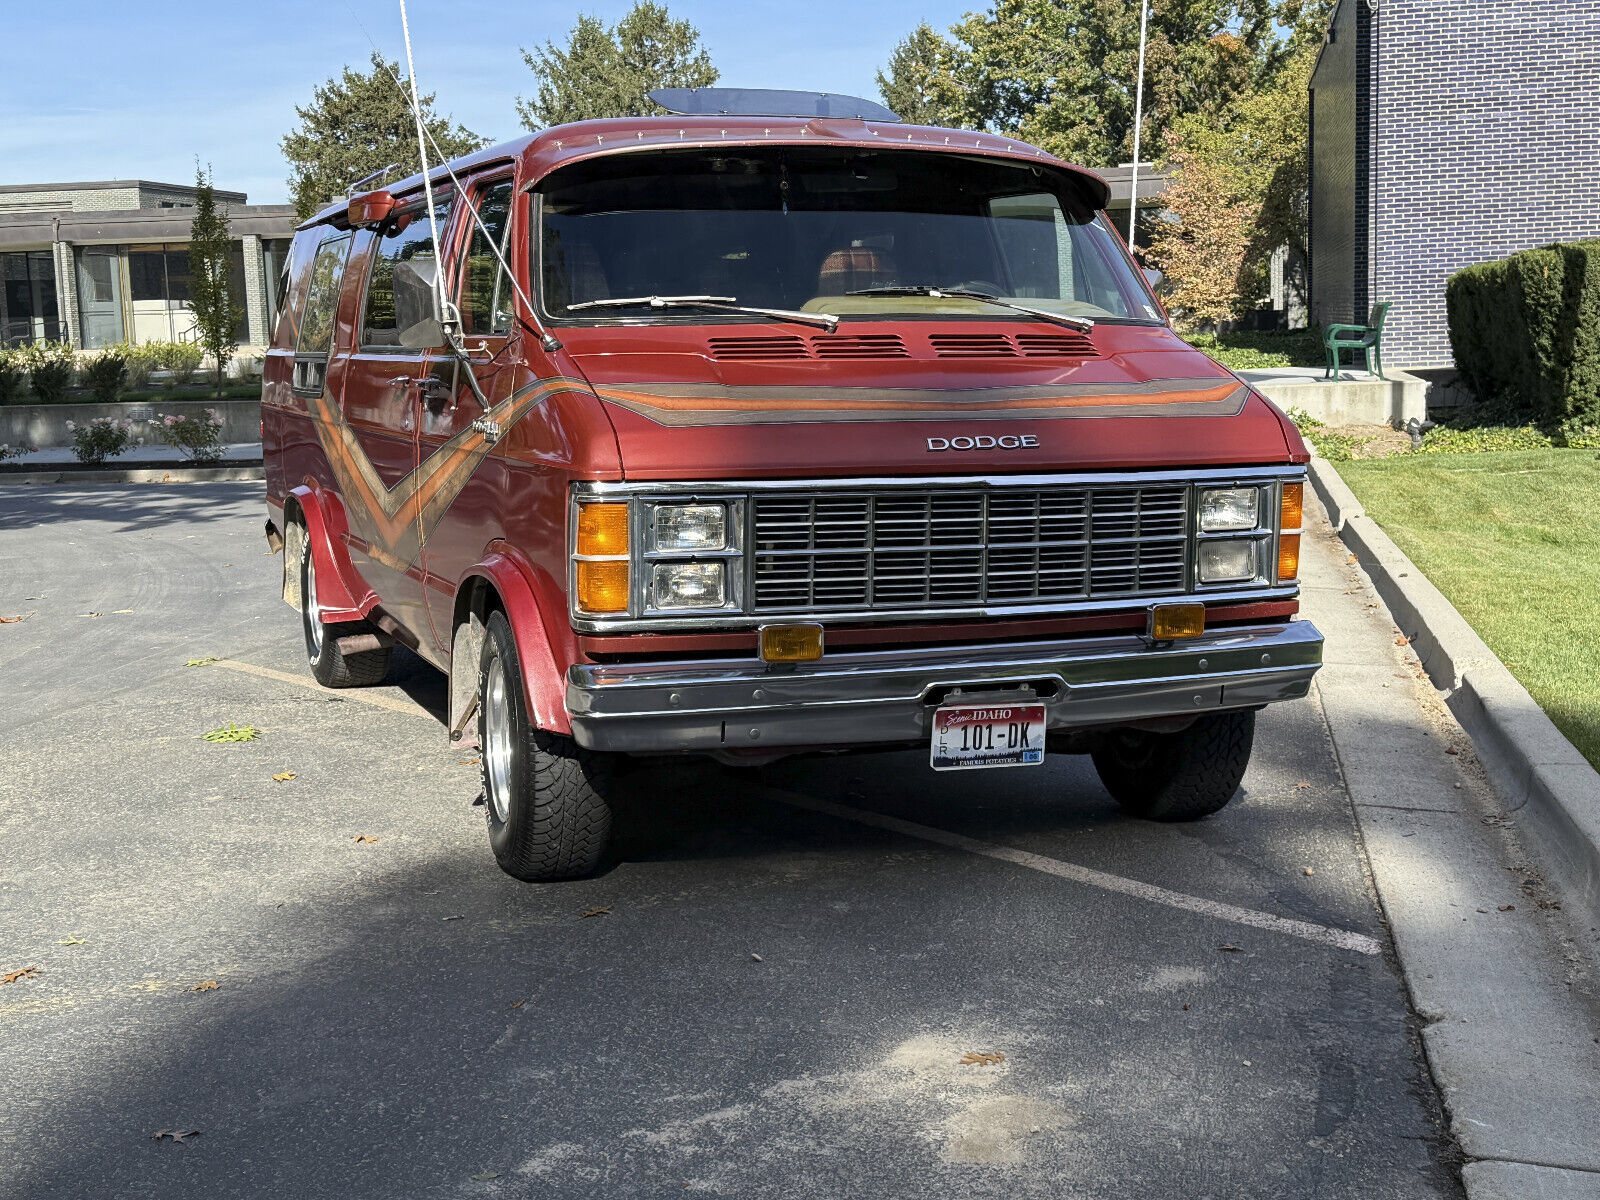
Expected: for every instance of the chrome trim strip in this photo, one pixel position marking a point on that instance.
(886, 696)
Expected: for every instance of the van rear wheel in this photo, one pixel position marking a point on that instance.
(329, 666)
(1179, 776)
(548, 802)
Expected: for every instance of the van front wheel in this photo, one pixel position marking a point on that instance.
(1179, 776)
(547, 797)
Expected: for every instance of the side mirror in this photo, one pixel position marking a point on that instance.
(418, 328)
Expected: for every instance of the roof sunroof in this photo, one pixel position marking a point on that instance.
(766, 102)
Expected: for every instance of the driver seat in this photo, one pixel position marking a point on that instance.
(855, 267)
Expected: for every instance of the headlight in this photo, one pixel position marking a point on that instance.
(688, 585)
(691, 527)
(1229, 510)
(1227, 562)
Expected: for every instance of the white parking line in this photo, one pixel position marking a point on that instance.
(1342, 939)
(410, 708)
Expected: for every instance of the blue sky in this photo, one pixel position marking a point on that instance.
(132, 90)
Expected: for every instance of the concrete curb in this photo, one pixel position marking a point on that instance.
(171, 474)
(1551, 787)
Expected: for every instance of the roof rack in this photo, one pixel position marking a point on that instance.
(766, 102)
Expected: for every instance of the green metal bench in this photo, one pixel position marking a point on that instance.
(1368, 338)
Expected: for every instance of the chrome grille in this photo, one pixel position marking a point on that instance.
(958, 547)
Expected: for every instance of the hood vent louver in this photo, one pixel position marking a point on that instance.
(835, 346)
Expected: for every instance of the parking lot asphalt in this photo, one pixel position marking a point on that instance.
(770, 995)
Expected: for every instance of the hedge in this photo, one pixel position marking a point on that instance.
(1526, 332)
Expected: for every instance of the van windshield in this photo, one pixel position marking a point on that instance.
(827, 230)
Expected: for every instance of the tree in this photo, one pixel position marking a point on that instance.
(1061, 73)
(920, 84)
(358, 123)
(606, 72)
(1238, 192)
(216, 309)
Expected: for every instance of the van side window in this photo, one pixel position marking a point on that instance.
(485, 290)
(322, 296)
(408, 245)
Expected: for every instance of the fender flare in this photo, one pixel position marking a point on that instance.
(544, 685)
(342, 593)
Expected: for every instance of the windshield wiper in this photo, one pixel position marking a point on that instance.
(726, 303)
(1083, 324)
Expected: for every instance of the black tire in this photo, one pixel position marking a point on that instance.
(1177, 776)
(330, 667)
(547, 798)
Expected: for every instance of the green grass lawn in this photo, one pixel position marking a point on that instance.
(1513, 539)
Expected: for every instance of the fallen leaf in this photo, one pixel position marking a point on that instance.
(89, 614)
(596, 912)
(452, 918)
(1451, 750)
(72, 939)
(1185, 1008)
(232, 733)
(519, 1004)
(12, 620)
(122, 612)
(283, 777)
(1402, 641)
(209, 985)
(468, 762)
(361, 838)
(176, 1135)
(1508, 908)
(982, 1058)
(485, 1176)
(1230, 948)
(1309, 871)
(1351, 559)
(201, 662)
(757, 957)
(24, 973)
(1304, 783)
(1483, 910)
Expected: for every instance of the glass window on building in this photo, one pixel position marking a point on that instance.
(28, 310)
(100, 295)
(275, 257)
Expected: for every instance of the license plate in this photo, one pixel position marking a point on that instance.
(966, 736)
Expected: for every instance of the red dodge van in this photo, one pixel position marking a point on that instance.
(790, 428)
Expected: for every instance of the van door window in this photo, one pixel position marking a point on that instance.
(398, 290)
(315, 340)
(485, 289)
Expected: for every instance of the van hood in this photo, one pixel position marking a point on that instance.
(903, 398)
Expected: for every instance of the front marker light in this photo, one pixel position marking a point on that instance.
(689, 585)
(691, 527)
(603, 585)
(1229, 510)
(1228, 562)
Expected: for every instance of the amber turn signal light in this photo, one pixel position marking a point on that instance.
(603, 529)
(1288, 556)
(1294, 495)
(791, 643)
(603, 586)
(1173, 622)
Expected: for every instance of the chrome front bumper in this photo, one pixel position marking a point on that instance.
(888, 696)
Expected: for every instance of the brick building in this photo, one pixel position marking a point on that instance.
(95, 263)
(1446, 133)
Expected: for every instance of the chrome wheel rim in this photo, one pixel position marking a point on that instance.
(497, 738)
(313, 610)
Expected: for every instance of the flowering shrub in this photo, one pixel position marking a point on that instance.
(14, 451)
(106, 373)
(200, 438)
(183, 359)
(51, 365)
(13, 375)
(100, 439)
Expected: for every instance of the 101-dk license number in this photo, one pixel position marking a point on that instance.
(984, 735)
